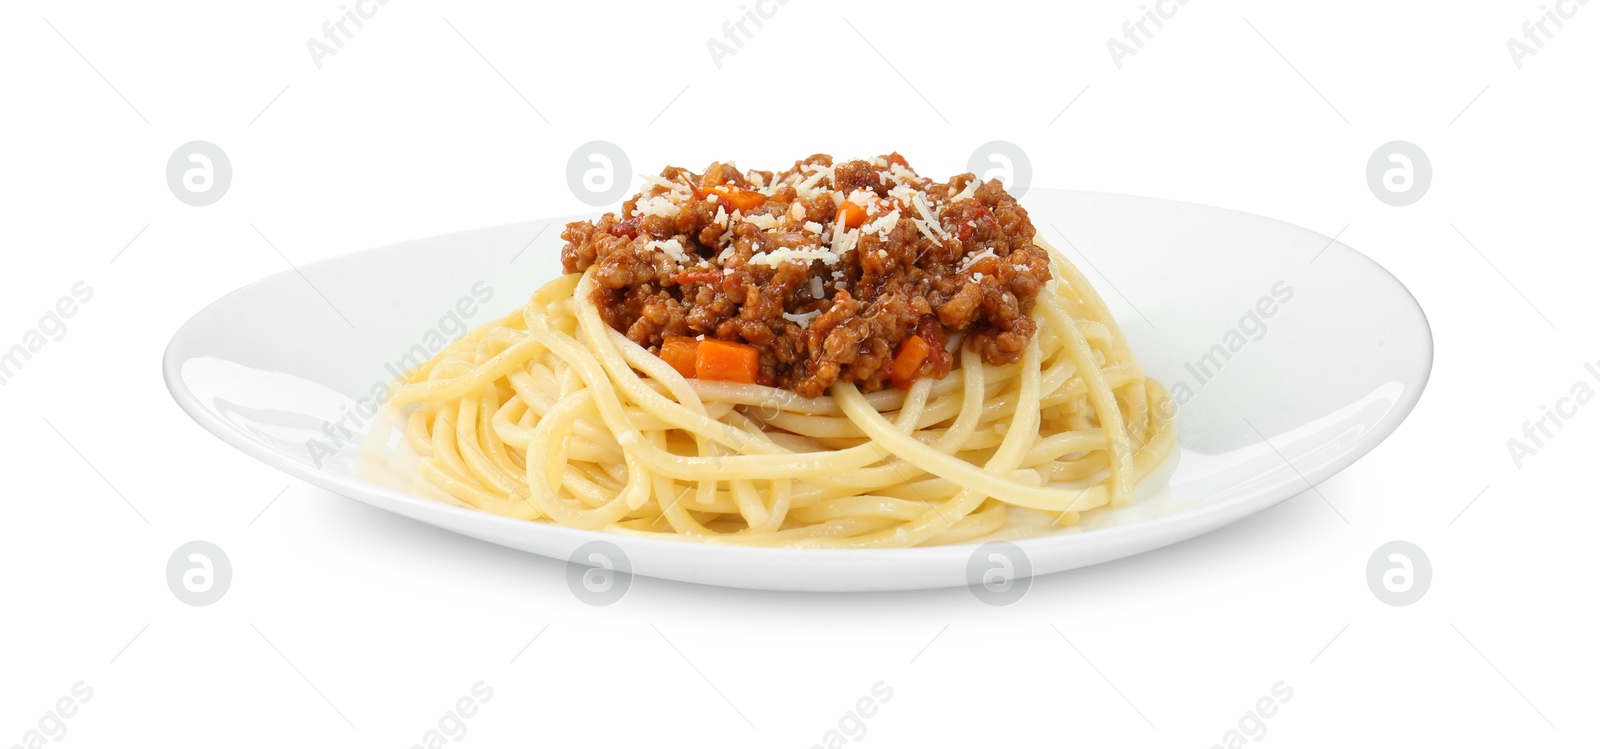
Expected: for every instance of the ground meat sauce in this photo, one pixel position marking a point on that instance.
(825, 269)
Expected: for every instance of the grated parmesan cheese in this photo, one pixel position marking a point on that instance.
(775, 258)
(927, 216)
(903, 175)
(677, 187)
(843, 241)
(902, 193)
(973, 259)
(762, 221)
(658, 205)
(807, 188)
(671, 247)
(966, 192)
(803, 319)
(883, 224)
(846, 242)
(909, 192)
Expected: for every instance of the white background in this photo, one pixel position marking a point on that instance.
(345, 626)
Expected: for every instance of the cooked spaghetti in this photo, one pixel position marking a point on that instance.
(837, 355)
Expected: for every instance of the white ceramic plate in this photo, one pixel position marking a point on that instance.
(1290, 356)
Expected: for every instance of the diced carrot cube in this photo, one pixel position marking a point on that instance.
(725, 360)
(854, 214)
(679, 351)
(903, 370)
(740, 199)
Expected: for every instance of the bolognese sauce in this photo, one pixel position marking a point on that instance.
(857, 271)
